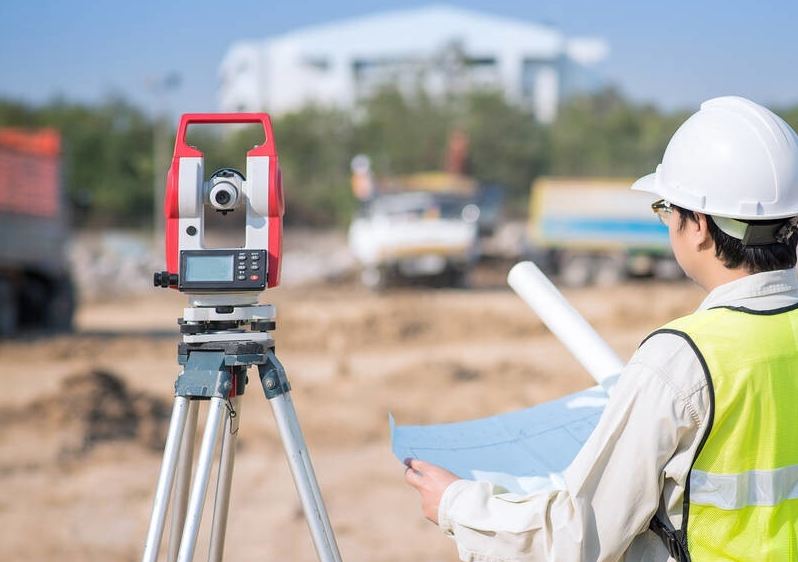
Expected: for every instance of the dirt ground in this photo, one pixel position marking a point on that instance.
(84, 415)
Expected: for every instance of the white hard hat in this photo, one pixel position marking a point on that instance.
(733, 158)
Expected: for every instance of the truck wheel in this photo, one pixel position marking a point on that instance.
(458, 277)
(668, 269)
(375, 278)
(9, 309)
(60, 307)
(576, 270)
(608, 271)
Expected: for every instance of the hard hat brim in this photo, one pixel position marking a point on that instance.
(647, 183)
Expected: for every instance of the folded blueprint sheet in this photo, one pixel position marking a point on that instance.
(522, 451)
(527, 450)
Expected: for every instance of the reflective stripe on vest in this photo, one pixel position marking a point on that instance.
(742, 499)
(753, 487)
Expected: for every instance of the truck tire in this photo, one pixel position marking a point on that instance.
(60, 307)
(375, 278)
(576, 270)
(668, 269)
(458, 277)
(9, 309)
(608, 270)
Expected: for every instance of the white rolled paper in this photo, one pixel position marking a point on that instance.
(565, 322)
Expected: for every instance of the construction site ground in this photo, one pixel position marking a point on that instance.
(84, 415)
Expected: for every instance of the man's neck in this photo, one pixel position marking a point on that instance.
(718, 274)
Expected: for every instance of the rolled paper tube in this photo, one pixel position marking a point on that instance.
(565, 322)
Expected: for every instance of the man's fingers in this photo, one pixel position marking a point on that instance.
(412, 477)
(430, 481)
(417, 464)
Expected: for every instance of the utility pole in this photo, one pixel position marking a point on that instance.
(160, 87)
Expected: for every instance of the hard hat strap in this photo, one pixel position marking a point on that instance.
(787, 231)
(732, 227)
(757, 233)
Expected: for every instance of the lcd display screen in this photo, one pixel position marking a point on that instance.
(209, 268)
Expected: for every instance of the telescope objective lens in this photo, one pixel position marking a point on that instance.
(222, 197)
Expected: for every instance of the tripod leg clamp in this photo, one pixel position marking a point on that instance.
(205, 376)
(273, 377)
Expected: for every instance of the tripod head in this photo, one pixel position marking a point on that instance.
(222, 280)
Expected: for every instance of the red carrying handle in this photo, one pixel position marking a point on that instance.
(182, 149)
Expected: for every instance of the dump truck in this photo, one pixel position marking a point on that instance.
(418, 227)
(36, 288)
(597, 230)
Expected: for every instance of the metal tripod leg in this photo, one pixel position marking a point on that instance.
(183, 480)
(166, 479)
(218, 376)
(187, 517)
(224, 480)
(205, 376)
(277, 390)
(202, 474)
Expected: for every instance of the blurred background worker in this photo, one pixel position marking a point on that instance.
(695, 455)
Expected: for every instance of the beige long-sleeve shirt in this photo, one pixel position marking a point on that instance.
(635, 464)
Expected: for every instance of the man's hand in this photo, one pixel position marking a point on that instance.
(430, 481)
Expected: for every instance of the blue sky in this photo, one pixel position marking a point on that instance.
(674, 53)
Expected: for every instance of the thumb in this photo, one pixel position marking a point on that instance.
(417, 465)
(412, 474)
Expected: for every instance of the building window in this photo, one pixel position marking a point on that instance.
(529, 76)
(317, 63)
(480, 61)
(242, 68)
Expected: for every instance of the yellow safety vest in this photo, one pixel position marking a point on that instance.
(741, 501)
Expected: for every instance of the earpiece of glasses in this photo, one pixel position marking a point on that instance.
(663, 210)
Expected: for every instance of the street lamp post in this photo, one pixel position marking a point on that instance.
(160, 87)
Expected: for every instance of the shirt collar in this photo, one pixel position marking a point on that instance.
(750, 290)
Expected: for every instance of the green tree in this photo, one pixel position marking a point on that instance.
(409, 133)
(790, 115)
(604, 135)
(314, 146)
(402, 133)
(107, 154)
(508, 146)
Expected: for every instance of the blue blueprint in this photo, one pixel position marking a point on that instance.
(522, 451)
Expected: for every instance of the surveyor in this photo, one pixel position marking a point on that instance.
(696, 455)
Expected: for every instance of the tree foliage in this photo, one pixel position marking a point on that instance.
(107, 154)
(403, 134)
(508, 147)
(112, 149)
(603, 135)
(315, 147)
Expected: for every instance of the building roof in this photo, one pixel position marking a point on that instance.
(330, 62)
(431, 27)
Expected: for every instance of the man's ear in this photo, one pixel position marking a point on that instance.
(702, 237)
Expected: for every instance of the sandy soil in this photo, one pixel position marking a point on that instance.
(84, 415)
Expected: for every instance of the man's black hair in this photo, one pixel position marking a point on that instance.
(733, 253)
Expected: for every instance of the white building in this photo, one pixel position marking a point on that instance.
(441, 47)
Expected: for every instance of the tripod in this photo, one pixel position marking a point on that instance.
(215, 354)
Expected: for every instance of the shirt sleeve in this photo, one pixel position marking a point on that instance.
(612, 488)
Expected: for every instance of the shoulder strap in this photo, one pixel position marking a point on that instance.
(673, 539)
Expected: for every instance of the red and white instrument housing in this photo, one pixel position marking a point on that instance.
(262, 195)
